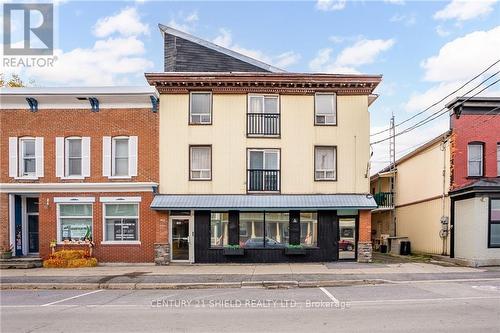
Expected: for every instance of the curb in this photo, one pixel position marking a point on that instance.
(196, 285)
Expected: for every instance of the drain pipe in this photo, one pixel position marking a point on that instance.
(443, 233)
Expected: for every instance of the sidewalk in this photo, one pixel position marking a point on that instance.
(148, 276)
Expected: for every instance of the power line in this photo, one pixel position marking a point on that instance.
(438, 113)
(442, 99)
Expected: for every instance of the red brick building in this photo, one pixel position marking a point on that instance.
(475, 180)
(80, 165)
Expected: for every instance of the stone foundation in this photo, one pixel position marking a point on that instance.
(162, 254)
(365, 252)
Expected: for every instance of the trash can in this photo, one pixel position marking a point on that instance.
(383, 248)
(405, 248)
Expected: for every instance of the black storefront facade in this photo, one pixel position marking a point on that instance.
(263, 228)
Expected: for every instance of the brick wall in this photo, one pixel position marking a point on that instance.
(148, 227)
(468, 128)
(365, 226)
(64, 123)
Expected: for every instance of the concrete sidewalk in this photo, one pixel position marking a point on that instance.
(148, 276)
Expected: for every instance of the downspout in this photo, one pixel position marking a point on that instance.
(443, 233)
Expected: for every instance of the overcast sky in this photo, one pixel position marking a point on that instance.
(424, 49)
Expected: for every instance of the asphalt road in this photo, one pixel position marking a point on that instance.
(406, 307)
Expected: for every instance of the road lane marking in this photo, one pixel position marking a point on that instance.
(73, 297)
(416, 300)
(330, 296)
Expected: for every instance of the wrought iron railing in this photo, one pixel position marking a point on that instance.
(263, 124)
(263, 180)
(384, 199)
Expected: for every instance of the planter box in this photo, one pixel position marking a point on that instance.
(290, 251)
(228, 251)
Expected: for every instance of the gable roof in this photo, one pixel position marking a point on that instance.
(166, 30)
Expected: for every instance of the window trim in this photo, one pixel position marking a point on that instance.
(66, 158)
(191, 93)
(122, 242)
(316, 109)
(263, 96)
(210, 229)
(190, 163)
(113, 157)
(263, 161)
(490, 221)
(20, 160)
(475, 143)
(335, 156)
(64, 201)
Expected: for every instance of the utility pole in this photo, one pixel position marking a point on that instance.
(392, 157)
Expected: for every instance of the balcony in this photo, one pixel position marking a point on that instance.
(263, 124)
(260, 180)
(384, 200)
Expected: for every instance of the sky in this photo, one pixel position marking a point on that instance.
(423, 49)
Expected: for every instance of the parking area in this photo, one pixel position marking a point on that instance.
(445, 306)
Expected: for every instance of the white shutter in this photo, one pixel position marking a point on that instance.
(132, 156)
(106, 156)
(39, 156)
(13, 157)
(86, 156)
(59, 157)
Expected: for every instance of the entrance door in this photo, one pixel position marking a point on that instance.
(32, 217)
(180, 239)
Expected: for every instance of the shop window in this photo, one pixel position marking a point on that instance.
(494, 225)
(277, 232)
(219, 229)
(121, 222)
(253, 223)
(347, 239)
(74, 222)
(309, 229)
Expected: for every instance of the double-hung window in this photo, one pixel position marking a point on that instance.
(120, 156)
(475, 159)
(75, 222)
(200, 108)
(494, 225)
(27, 167)
(121, 222)
(26, 157)
(200, 163)
(73, 157)
(325, 106)
(325, 163)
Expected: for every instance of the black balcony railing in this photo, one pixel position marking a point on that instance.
(263, 180)
(263, 124)
(384, 199)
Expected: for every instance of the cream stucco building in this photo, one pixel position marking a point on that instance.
(259, 165)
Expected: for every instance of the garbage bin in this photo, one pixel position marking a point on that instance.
(405, 248)
(383, 248)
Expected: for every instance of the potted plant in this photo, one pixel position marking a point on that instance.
(6, 252)
(295, 250)
(233, 250)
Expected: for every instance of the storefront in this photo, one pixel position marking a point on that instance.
(264, 228)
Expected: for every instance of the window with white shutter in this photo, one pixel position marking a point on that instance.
(13, 157)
